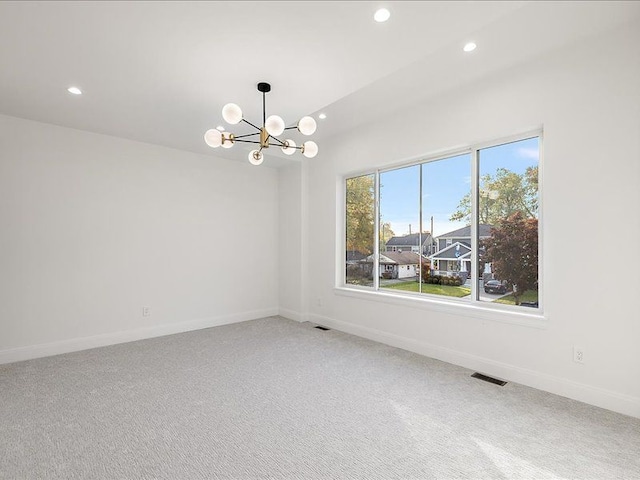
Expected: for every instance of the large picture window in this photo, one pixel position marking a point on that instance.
(463, 227)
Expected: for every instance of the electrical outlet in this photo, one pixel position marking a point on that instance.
(578, 354)
(146, 311)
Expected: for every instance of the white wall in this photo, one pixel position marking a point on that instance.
(587, 97)
(290, 242)
(93, 228)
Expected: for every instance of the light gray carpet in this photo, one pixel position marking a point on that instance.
(272, 398)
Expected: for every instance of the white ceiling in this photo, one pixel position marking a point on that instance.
(160, 72)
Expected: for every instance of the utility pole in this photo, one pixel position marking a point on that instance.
(431, 247)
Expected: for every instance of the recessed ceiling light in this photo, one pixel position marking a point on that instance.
(220, 127)
(470, 47)
(74, 90)
(381, 15)
(322, 116)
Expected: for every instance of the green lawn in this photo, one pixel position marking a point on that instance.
(528, 296)
(446, 290)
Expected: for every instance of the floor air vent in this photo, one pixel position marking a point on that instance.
(320, 327)
(489, 379)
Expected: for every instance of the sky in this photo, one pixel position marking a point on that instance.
(445, 183)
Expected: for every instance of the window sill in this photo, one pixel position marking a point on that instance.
(453, 307)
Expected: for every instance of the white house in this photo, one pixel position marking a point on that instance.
(397, 264)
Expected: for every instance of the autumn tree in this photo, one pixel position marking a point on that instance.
(360, 214)
(386, 234)
(512, 250)
(501, 195)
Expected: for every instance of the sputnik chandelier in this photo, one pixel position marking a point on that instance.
(272, 127)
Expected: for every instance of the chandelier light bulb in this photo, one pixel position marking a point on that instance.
(274, 125)
(213, 138)
(309, 149)
(232, 113)
(382, 15)
(227, 140)
(256, 157)
(307, 125)
(289, 147)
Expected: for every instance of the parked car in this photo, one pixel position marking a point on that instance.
(494, 286)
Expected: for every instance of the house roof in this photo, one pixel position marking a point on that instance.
(400, 258)
(452, 252)
(409, 240)
(396, 258)
(465, 232)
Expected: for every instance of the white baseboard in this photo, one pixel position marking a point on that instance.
(610, 400)
(292, 315)
(84, 343)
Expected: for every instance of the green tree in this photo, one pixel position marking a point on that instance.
(360, 214)
(512, 250)
(531, 190)
(501, 195)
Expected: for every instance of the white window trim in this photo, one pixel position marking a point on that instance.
(529, 317)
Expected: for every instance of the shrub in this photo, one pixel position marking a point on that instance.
(426, 271)
(355, 272)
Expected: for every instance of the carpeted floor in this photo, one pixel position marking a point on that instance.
(273, 398)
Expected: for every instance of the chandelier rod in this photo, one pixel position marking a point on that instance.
(236, 139)
(239, 137)
(277, 140)
(247, 121)
(247, 135)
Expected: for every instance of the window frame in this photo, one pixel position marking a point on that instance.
(473, 306)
